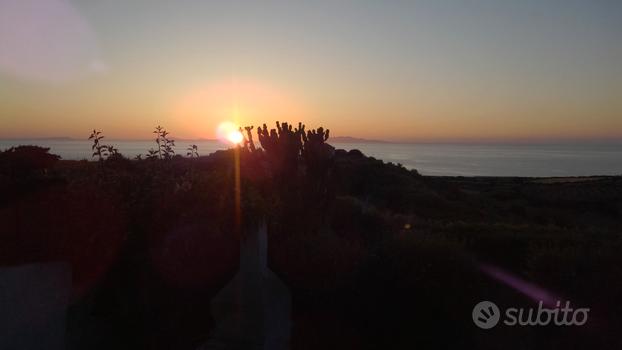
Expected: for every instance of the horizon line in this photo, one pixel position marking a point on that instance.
(353, 139)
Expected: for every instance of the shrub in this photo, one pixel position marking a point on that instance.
(24, 162)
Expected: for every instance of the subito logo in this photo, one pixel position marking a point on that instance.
(486, 314)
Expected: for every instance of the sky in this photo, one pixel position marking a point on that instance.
(432, 70)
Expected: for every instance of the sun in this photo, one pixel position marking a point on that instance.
(229, 132)
(235, 137)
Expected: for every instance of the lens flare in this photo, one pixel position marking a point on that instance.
(235, 137)
(228, 132)
(47, 41)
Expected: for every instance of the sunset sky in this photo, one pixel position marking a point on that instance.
(394, 70)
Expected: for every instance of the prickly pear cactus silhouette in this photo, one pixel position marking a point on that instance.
(316, 152)
(283, 147)
(248, 143)
(291, 151)
(300, 162)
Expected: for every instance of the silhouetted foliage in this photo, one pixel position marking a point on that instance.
(153, 154)
(99, 150)
(291, 151)
(26, 161)
(193, 151)
(300, 165)
(373, 253)
(166, 145)
(111, 151)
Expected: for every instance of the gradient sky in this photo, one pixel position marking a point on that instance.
(397, 70)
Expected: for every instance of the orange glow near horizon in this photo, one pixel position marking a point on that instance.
(411, 71)
(195, 111)
(242, 102)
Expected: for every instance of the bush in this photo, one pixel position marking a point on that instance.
(26, 161)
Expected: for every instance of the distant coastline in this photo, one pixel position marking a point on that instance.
(349, 139)
(546, 160)
(67, 138)
(337, 139)
(358, 140)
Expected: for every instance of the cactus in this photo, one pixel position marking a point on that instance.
(248, 139)
(286, 145)
(300, 162)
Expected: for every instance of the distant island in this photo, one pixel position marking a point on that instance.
(52, 138)
(349, 139)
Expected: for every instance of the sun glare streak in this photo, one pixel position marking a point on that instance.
(237, 192)
(229, 132)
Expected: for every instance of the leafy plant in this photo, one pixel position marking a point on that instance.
(153, 154)
(166, 146)
(193, 151)
(101, 151)
(98, 149)
(111, 150)
(26, 161)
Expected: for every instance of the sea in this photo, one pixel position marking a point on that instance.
(439, 159)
